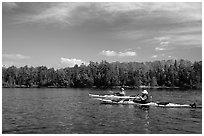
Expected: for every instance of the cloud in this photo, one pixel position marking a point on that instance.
(163, 56)
(186, 11)
(109, 53)
(164, 48)
(72, 62)
(158, 55)
(126, 53)
(185, 40)
(118, 7)
(159, 49)
(169, 23)
(154, 56)
(15, 56)
(164, 43)
(67, 12)
(9, 6)
(57, 12)
(178, 40)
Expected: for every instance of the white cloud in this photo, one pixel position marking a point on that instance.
(159, 49)
(164, 48)
(186, 11)
(108, 53)
(181, 10)
(118, 7)
(163, 56)
(14, 56)
(72, 62)
(164, 43)
(126, 53)
(154, 56)
(182, 40)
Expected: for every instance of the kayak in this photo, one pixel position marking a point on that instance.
(153, 104)
(128, 100)
(112, 96)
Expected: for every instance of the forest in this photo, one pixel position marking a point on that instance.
(156, 74)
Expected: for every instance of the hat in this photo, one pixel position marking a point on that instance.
(145, 92)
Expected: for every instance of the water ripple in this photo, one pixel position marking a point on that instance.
(61, 111)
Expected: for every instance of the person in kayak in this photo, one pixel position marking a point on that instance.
(121, 93)
(144, 98)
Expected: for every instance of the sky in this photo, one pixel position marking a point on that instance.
(64, 34)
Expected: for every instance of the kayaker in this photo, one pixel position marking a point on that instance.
(121, 93)
(144, 98)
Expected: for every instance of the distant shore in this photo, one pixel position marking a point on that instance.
(170, 74)
(104, 87)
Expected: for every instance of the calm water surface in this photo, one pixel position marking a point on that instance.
(61, 111)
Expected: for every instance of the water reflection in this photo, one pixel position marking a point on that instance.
(131, 106)
(144, 107)
(195, 113)
(142, 113)
(146, 117)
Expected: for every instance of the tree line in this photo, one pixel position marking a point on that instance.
(166, 73)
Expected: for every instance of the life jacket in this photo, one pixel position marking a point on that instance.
(146, 100)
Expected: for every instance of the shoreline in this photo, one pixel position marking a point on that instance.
(110, 87)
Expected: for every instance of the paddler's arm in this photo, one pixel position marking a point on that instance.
(143, 98)
(137, 97)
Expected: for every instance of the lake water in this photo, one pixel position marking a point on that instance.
(71, 111)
